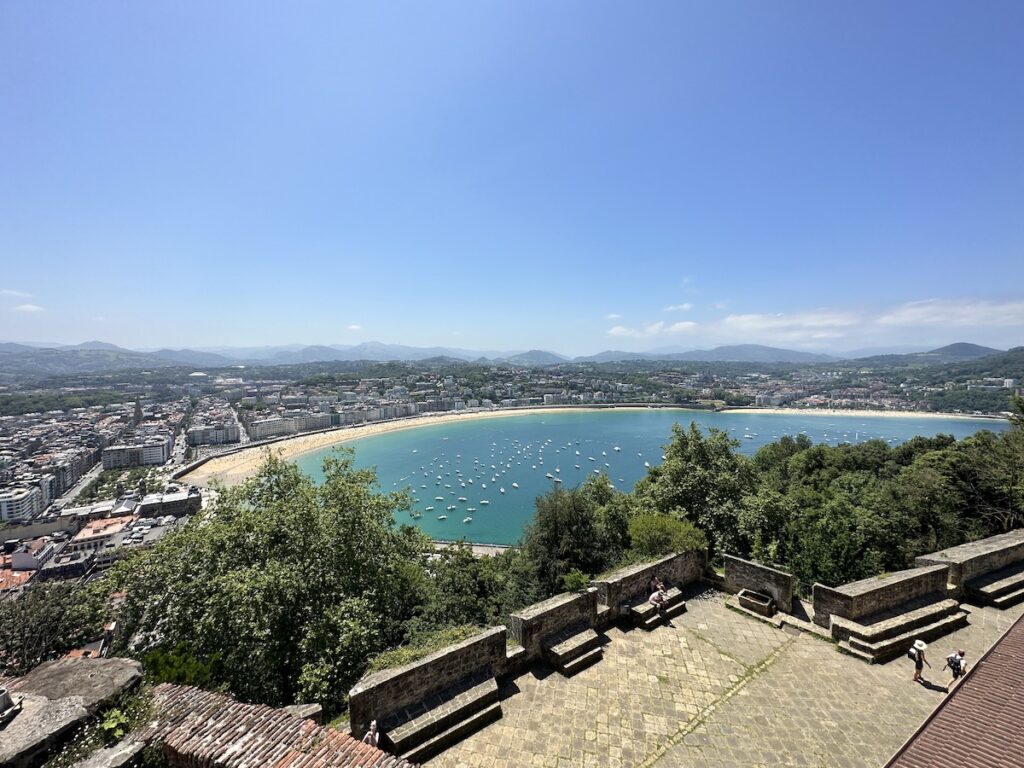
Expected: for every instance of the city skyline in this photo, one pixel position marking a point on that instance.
(578, 178)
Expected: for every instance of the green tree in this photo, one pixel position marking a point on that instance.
(46, 621)
(703, 480)
(286, 588)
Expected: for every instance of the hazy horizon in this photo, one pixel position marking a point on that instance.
(577, 177)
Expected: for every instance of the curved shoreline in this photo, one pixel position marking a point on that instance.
(237, 465)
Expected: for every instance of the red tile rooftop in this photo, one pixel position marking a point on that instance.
(13, 579)
(103, 527)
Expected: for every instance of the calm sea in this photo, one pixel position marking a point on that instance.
(491, 470)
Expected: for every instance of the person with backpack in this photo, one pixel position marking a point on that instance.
(957, 664)
(916, 654)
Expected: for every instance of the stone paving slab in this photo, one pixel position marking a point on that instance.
(717, 688)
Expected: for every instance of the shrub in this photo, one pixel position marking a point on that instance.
(657, 535)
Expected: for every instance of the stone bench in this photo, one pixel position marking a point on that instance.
(572, 649)
(757, 602)
(886, 636)
(442, 719)
(646, 616)
(1000, 589)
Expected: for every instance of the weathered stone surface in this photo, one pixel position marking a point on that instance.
(56, 697)
(757, 577)
(117, 756)
(94, 681)
(312, 712)
(531, 626)
(976, 558)
(881, 593)
(718, 690)
(40, 726)
(383, 693)
(626, 586)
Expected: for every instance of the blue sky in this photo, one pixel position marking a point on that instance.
(570, 176)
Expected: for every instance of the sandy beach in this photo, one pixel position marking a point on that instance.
(232, 468)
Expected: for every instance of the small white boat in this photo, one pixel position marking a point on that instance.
(647, 464)
(467, 519)
(442, 517)
(616, 449)
(501, 490)
(462, 498)
(515, 485)
(549, 476)
(430, 509)
(558, 479)
(439, 498)
(471, 509)
(484, 502)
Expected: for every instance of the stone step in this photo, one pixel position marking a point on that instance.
(891, 647)
(997, 583)
(567, 647)
(454, 734)
(441, 712)
(1008, 599)
(654, 619)
(646, 615)
(895, 626)
(844, 646)
(573, 666)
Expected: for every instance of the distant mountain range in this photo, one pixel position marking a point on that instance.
(100, 356)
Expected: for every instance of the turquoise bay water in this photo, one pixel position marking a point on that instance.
(459, 470)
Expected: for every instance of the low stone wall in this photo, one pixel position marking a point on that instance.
(756, 577)
(531, 625)
(976, 558)
(383, 693)
(879, 593)
(628, 584)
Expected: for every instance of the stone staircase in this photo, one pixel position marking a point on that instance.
(1000, 589)
(879, 639)
(573, 649)
(646, 616)
(418, 733)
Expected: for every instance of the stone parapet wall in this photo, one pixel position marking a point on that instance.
(976, 558)
(383, 693)
(530, 626)
(880, 593)
(756, 577)
(630, 584)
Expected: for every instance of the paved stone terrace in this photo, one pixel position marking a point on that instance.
(717, 689)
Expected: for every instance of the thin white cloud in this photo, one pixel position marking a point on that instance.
(660, 328)
(613, 316)
(684, 307)
(354, 327)
(956, 313)
(781, 321)
(17, 294)
(27, 308)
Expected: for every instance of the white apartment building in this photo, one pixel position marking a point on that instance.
(213, 434)
(20, 502)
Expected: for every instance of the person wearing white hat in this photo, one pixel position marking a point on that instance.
(917, 654)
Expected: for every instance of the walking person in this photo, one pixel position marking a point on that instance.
(916, 654)
(957, 663)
